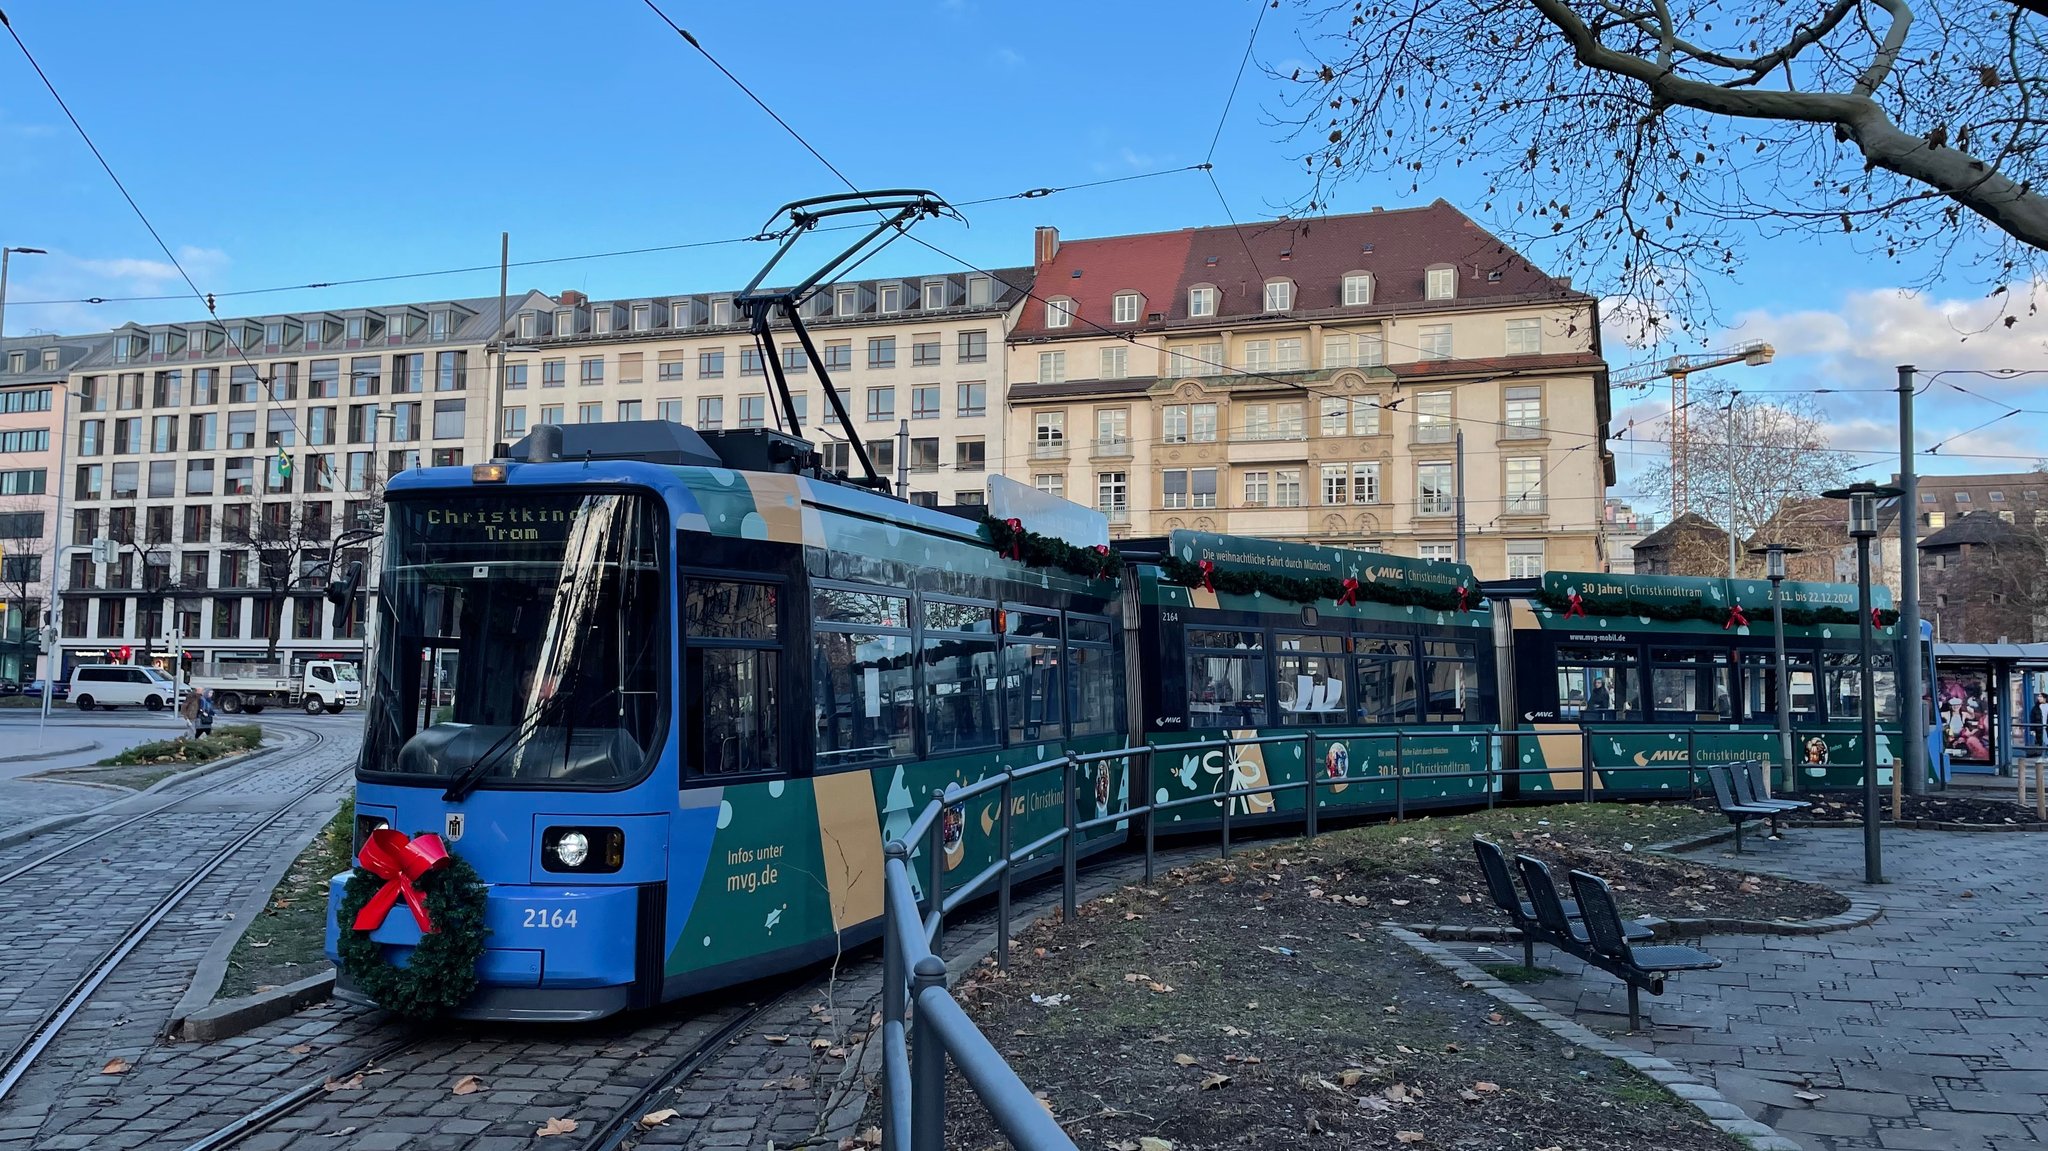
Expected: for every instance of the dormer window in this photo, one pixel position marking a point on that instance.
(601, 320)
(1059, 313)
(17, 361)
(397, 325)
(1440, 283)
(846, 302)
(721, 310)
(980, 291)
(529, 325)
(123, 348)
(273, 334)
(49, 359)
(1125, 307)
(439, 324)
(643, 317)
(1357, 289)
(934, 295)
(565, 321)
(354, 328)
(1279, 295)
(1202, 301)
(679, 313)
(889, 298)
(159, 343)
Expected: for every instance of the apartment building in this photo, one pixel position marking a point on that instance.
(922, 351)
(221, 458)
(1309, 379)
(33, 370)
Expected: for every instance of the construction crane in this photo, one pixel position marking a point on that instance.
(1755, 353)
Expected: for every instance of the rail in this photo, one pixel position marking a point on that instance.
(924, 1030)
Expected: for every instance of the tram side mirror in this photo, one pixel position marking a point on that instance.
(342, 594)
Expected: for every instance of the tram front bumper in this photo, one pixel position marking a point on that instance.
(538, 937)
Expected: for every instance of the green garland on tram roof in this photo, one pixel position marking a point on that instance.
(440, 974)
(1716, 614)
(1295, 589)
(1013, 540)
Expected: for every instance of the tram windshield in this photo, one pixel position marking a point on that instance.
(519, 639)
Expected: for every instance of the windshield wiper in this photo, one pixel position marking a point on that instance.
(504, 745)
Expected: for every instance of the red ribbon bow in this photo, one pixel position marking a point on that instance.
(399, 861)
(1874, 620)
(1461, 598)
(1735, 618)
(1016, 538)
(1208, 571)
(1576, 608)
(1350, 592)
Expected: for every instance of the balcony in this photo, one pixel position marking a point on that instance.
(1117, 514)
(1112, 447)
(1268, 446)
(1436, 506)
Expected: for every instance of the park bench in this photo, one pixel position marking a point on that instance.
(1610, 951)
(1748, 777)
(1546, 917)
(1738, 813)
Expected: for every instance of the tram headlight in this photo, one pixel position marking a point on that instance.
(589, 850)
(573, 848)
(365, 824)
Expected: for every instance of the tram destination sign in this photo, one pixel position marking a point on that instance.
(1310, 561)
(494, 521)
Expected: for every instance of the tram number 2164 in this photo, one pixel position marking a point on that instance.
(546, 917)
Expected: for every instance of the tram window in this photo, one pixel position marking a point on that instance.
(1453, 681)
(729, 609)
(1760, 686)
(838, 605)
(961, 699)
(1386, 680)
(1226, 679)
(864, 688)
(1310, 689)
(940, 615)
(1597, 684)
(1845, 685)
(1690, 684)
(733, 709)
(1080, 629)
(1031, 681)
(1036, 626)
(1096, 698)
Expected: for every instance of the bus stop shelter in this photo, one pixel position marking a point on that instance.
(1982, 695)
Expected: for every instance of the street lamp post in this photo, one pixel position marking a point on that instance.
(4, 253)
(1863, 499)
(1774, 568)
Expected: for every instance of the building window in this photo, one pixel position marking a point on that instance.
(1258, 489)
(1433, 417)
(1525, 337)
(1051, 434)
(1336, 483)
(669, 410)
(1525, 559)
(973, 348)
(710, 413)
(1173, 488)
(449, 416)
(933, 295)
(971, 399)
(1189, 423)
(1113, 496)
(924, 454)
(591, 413)
(1523, 407)
(1337, 352)
(1059, 313)
(750, 362)
(711, 364)
(1435, 341)
(1113, 429)
(839, 356)
(669, 370)
(889, 298)
(1365, 483)
(1440, 283)
(924, 352)
(1287, 488)
(1437, 553)
(629, 410)
(1357, 289)
(970, 455)
(1287, 356)
(511, 424)
(1116, 363)
(1435, 490)
(591, 371)
(1279, 295)
(1524, 486)
(882, 352)
(1201, 301)
(981, 291)
(1258, 355)
(1051, 483)
(881, 404)
(554, 373)
(753, 411)
(924, 402)
(1052, 367)
(1124, 308)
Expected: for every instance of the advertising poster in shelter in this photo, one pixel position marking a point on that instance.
(1964, 705)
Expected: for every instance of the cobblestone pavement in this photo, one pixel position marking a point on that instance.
(1926, 1029)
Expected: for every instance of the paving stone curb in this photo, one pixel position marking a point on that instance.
(1681, 1085)
(91, 745)
(1861, 913)
(232, 1017)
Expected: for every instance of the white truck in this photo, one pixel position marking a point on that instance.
(320, 685)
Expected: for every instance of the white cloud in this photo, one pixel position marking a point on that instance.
(1009, 58)
(63, 277)
(1862, 340)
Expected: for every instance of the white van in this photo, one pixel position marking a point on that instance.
(110, 685)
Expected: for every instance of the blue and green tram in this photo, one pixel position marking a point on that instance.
(1389, 661)
(1629, 672)
(669, 693)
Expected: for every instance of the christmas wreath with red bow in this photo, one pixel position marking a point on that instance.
(1296, 589)
(1570, 605)
(443, 893)
(1012, 540)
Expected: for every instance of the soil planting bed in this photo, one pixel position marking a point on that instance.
(1975, 811)
(1249, 1004)
(1424, 872)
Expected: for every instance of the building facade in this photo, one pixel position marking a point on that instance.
(922, 352)
(33, 375)
(1312, 380)
(220, 459)
(1625, 528)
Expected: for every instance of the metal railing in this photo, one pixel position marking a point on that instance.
(923, 1027)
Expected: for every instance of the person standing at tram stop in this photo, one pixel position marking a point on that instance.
(2037, 720)
(188, 710)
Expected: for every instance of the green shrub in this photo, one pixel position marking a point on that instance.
(220, 742)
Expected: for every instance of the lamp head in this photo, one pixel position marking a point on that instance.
(1863, 500)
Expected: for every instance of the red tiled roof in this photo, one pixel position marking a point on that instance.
(1396, 247)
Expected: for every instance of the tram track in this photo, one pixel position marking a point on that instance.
(17, 1064)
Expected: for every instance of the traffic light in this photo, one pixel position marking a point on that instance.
(342, 594)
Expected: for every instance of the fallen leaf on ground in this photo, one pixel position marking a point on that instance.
(299, 1048)
(1496, 1018)
(777, 1039)
(1809, 1096)
(1484, 1087)
(556, 1126)
(1404, 1049)
(1154, 1143)
(1184, 1060)
(1398, 1092)
(1235, 1032)
(1214, 1081)
(837, 1053)
(657, 1118)
(345, 1131)
(1465, 899)
(1409, 1136)
(1400, 902)
(467, 1085)
(1044, 1101)
(820, 1044)
(1350, 1076)
(352, 1083)
(1469, 1096)
(1160, 988)
(116, 1066)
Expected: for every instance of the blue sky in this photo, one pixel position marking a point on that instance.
(282, 143)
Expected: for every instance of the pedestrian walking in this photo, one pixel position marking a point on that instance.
(2037, 720)
(188, 708)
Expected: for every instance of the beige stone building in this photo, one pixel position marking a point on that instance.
(926, 351)
(1308, 379)
(33, 371)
